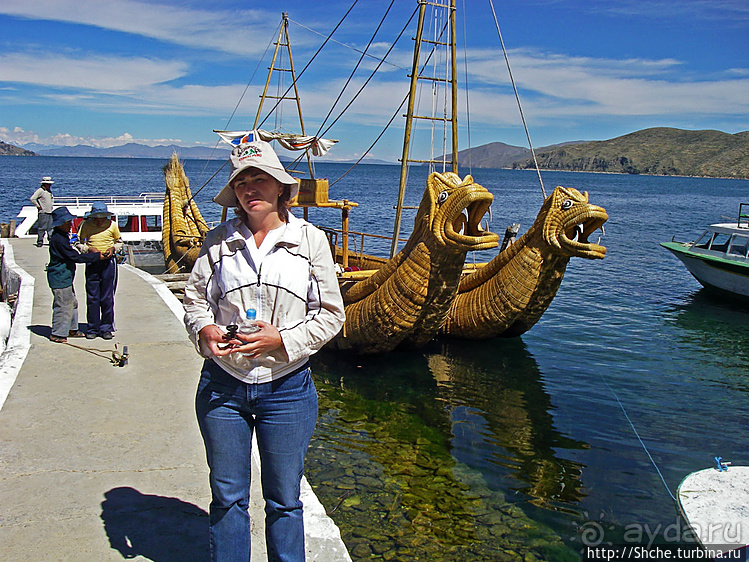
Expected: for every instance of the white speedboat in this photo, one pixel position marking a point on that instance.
(139, 219)
(719, 259)
(714, 503)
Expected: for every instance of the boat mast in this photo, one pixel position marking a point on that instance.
(415, 77)
(283, 41)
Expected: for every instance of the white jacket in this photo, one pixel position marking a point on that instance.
(294, 287)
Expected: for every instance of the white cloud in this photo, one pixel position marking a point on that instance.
(697, 9)
(557, 85)
(180, 25)
(95, 73)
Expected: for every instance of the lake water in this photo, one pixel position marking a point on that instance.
(526, 448)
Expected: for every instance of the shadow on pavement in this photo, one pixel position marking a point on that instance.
(158, 528)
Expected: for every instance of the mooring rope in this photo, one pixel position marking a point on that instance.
(642, 443)
(117, 358)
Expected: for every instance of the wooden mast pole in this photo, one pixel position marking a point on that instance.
(272, 67)
(296, 89)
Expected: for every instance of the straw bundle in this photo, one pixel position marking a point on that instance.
(184, 228)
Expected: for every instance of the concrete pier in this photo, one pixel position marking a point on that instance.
(102, 462)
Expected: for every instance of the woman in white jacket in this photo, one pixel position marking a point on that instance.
(281, 266)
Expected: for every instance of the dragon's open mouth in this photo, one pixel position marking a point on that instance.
(463, 220)
(575, 237)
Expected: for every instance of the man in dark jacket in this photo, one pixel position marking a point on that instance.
(60, 274)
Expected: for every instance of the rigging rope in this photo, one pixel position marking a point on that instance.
(320, 48)
(349, 46)
(437, 65)
(228, 121)
(468, 113)
(356, 67)
(395, 114)
(385, 128)
(517, 98)
(361, 89)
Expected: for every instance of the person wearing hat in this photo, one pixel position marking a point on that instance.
(101, 233)
(280, 268)
(44, 202)
(60, 274)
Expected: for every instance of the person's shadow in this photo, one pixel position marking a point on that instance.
(45, 331)
(156, 527)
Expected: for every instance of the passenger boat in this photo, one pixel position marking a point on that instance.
(719, 259)
(138, 218)
(425, 286)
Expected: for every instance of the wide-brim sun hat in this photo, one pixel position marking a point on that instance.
(98, 211)
(60, 216)
(256, 154)
(47, 180)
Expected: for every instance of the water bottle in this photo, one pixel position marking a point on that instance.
(248, 325)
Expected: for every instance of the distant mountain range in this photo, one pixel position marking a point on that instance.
(657, 151)
(660, 151)
(135, 150)
(498, 155)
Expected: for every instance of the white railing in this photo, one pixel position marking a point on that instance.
(142, 199)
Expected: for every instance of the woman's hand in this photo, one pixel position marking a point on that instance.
(266, 339)
(210, 338)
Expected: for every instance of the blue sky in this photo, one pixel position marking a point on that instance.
(108, 72)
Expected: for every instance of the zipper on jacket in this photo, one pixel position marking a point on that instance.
(258, 292)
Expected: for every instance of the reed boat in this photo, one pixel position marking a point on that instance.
(425, 286)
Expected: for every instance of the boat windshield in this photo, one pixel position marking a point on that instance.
(712, 240)
(739, 245)
(719, 242)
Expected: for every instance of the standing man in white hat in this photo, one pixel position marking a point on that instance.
(44, 202)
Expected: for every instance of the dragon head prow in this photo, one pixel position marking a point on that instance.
(570, 220)
(454, 208)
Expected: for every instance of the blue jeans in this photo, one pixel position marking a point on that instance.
(101, 283)
(284, 414)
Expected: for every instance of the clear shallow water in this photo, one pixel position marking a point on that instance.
(489, 450)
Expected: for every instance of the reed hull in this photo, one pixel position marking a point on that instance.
(508, 295)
